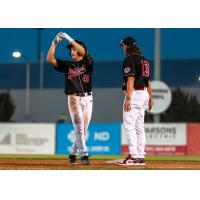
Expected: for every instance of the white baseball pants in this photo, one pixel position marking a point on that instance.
(134, 123)
(80, 109)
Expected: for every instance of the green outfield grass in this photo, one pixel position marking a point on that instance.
(105, 157)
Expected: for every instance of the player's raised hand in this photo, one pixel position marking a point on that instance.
(57, 39)
(66, 36)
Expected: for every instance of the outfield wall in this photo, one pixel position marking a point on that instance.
(101, 139)
(27, 138)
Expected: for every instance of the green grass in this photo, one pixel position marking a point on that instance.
(174, 158)
(103, 157)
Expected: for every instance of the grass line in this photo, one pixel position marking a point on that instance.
(103, 157)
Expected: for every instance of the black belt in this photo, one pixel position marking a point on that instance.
(83, 94)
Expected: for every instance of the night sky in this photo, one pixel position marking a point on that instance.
(103, 44)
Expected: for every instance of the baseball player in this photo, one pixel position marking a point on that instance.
(137, 90)
(78, 88)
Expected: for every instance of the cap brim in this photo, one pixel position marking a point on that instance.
(69, 46)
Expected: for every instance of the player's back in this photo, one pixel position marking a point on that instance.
(141, 70)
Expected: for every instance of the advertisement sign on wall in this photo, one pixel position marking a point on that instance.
(193, 138)
(101, 139)
(161, 95)
(27, 138)
(162, 139)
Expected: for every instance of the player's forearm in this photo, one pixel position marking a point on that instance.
(78, 47)
(149, 89)
(51, 54)
(130, 86)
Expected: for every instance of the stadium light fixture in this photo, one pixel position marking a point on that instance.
(16, 54)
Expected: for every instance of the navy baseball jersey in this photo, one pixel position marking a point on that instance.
(137, 66)
(78, 74)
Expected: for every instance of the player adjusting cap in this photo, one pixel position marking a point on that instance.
(69, 46)
(128, 41)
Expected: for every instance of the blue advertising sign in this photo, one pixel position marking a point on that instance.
(101, 139)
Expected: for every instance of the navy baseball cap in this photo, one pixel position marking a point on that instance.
(69, 46)
(128, 41)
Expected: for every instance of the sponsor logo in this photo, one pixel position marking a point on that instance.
(6, 140)
(160, 133)
(99, 148)
(71, 136)
(23, 139)
(101, 136)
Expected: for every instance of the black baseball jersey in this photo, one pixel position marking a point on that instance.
(78, 74)
(137, 66)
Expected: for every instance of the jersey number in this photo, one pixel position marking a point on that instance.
(145, 68)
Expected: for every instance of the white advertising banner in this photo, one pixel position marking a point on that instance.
(163, 134)
(27, 138)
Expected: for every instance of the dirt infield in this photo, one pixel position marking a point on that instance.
(61, 164)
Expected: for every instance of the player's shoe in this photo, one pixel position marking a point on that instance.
(128, 161)
(85, 160)
(140, 161)
(72, 159)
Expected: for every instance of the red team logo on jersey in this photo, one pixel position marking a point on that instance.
(145, 68)
(86, 78)
(76, 72)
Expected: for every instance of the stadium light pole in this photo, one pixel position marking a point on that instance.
(40, 62)
(157, 64)
(17, 55)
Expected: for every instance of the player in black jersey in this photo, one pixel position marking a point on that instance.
(78, 88)
(137, 90)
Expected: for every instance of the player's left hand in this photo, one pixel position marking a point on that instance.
(127, 105)
(150, 103)
(57, 39)
(66, 36)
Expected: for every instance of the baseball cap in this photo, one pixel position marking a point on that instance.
(128, 41)
(69, 46)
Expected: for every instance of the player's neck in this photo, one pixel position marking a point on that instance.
(133, 53)
(78, 59)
